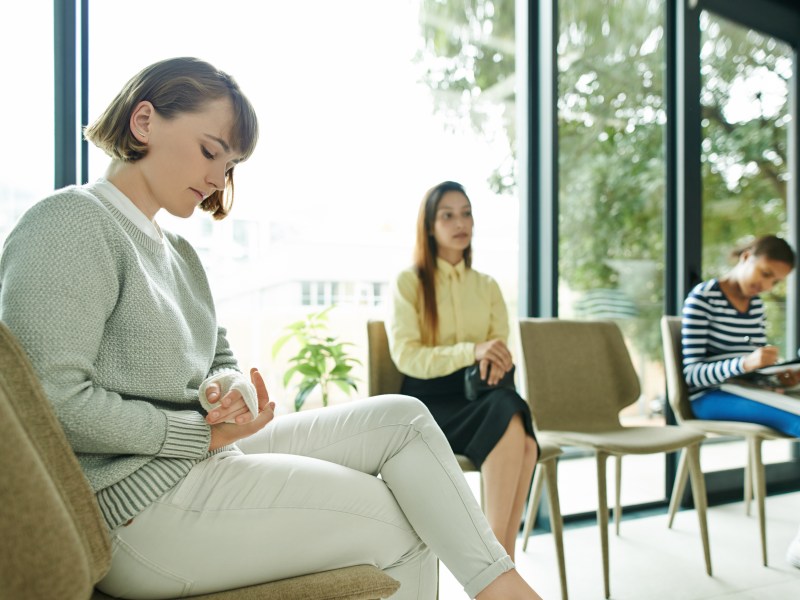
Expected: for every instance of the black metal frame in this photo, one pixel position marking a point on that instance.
(71, 76)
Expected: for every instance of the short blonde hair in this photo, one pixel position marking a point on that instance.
(175, 86)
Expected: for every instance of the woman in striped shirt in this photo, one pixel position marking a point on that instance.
(724, 335)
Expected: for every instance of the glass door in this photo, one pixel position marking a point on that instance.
(745, 112)
(611, 59)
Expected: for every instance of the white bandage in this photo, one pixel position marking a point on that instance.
(227, 382)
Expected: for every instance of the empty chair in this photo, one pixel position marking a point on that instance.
(754, 434)
(579, 376)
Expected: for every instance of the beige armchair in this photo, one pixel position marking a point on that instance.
(54, 541)
(579, 376)
(754, 435)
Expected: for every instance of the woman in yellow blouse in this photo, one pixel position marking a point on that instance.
(446, 317)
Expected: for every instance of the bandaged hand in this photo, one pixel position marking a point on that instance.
(225, 391)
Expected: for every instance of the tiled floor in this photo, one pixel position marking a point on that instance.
(650, 562)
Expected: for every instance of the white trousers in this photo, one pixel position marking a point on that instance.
(303, 496)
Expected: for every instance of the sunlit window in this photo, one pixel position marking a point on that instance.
(746, 77)
(27, 149)
(360, 113)
(611, 119)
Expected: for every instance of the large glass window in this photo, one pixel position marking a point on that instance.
(745, 119)
(27, 106)
(363, 106)
(611, 172)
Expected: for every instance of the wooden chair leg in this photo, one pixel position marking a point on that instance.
(748, 476)
(678, 488)
(550, 469)
(618, 492)
(700, 499)
(759, 491)
(602, 516)
(533, 504)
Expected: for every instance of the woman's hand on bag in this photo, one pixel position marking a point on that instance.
(765, 356)
(497, 353)
(491, 373)
(223, 434)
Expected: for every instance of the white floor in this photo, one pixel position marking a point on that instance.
(650, 562)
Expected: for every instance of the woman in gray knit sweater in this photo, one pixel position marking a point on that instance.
(201, 489)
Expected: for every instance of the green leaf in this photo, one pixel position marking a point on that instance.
(288, 375)
(341, 369)
(308, 370)
(348, 386)
(279, 343)
(305, 389)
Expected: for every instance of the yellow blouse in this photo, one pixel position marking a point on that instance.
(471, 310)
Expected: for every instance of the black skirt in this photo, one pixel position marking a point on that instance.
(472, 428)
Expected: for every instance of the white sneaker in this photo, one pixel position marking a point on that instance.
(793, 553)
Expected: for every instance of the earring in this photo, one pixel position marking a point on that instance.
(140, 132)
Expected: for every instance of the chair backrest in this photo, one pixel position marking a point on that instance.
(383, 376)
(677, 390)
(54, 541)
(578, 374)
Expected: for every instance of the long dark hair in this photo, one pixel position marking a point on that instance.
(425, 251)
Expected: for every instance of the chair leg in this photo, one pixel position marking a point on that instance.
(748, 476)
(759, 490)
(700, 499)
(618, 491)
(678, 487)
(550, 469)
(602, 516)
(533, 504)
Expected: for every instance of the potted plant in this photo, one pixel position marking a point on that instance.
(321, 359)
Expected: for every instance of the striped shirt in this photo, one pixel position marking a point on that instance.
(716, 336)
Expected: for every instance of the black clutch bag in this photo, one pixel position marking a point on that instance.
(474, 386)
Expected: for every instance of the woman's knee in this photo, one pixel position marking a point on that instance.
(403, 408)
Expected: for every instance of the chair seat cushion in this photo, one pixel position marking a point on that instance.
(630, 440)
(361, 582)
(735, 428)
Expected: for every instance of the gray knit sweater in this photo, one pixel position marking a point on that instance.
(121, 330)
